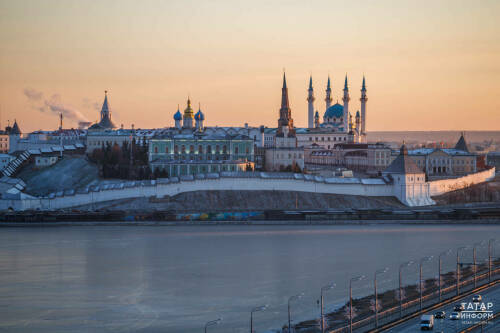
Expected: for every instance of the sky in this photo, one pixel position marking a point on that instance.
(429, 65)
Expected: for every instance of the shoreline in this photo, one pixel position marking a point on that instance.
(476, 214)
(249, 223)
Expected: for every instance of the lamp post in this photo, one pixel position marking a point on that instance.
(257, 309)
(380, 271)
(458, 267)
(474, 261)
(490, 242)
(357, 278)
(294, 297)
(406, 264)
(324, 289)
(439, 278)
(212, 323)
(424, 259)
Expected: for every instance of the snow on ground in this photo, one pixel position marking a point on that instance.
(69, 173)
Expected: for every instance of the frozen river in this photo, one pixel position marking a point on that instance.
(174, 279)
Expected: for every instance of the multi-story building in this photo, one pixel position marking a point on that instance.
(189, 150)
(4, 142)
(354, 156)
(445, 162)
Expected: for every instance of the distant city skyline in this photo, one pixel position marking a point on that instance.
(428, 66)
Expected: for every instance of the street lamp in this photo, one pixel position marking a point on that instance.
(474, 261)
(257, 309)
(324, 289)
(406, 264)
(445, 253)
(380, 271)
(458, 267)
(292, 298)
(490, 242)
(424, 259)
(355, 279)
(212, 323)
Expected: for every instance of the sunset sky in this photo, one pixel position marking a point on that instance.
(429, 65)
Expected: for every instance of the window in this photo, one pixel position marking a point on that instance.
(209, 149)
(166, 149)
(176, 149)
(191, 149)
(224, 149)
(236, 150)
(217, 149)
(183, 149)
(156, 150)
(200, 149)
(247, 150)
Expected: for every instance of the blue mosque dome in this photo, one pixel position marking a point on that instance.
(178, 115)
(334, 111)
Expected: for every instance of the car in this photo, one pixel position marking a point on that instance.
(426, 322)
(455, 316)
(440, 315)
(477, 298)
(458, 308)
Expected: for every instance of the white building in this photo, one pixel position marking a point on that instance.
(408, 180)
(337, 125)
(5, 159)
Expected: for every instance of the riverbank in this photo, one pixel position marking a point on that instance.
(470, 214)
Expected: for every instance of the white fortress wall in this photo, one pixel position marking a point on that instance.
(442, 186)
(411, 195)
(160, 189)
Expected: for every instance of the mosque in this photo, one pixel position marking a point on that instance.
(337, 124)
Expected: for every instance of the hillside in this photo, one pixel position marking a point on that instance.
(248, 200)
(69, 173)
(484, 192)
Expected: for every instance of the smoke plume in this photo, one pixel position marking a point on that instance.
(52, 105)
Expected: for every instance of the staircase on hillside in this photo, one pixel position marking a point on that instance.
(16, 164)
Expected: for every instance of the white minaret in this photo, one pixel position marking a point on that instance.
(310, 104)
(363, 100)
(328, 98)
(346, 100)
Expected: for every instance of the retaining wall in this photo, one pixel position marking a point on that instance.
(438, 187)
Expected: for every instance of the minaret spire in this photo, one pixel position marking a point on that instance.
(363, 101)
(310, 104)
(346, 100)
(328, 98)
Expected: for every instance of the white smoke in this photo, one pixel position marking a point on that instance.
(54, 105)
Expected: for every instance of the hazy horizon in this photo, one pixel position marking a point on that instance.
(428, 65)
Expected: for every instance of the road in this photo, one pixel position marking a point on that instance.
(446, 325)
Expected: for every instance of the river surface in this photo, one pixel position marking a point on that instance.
(174, 279)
